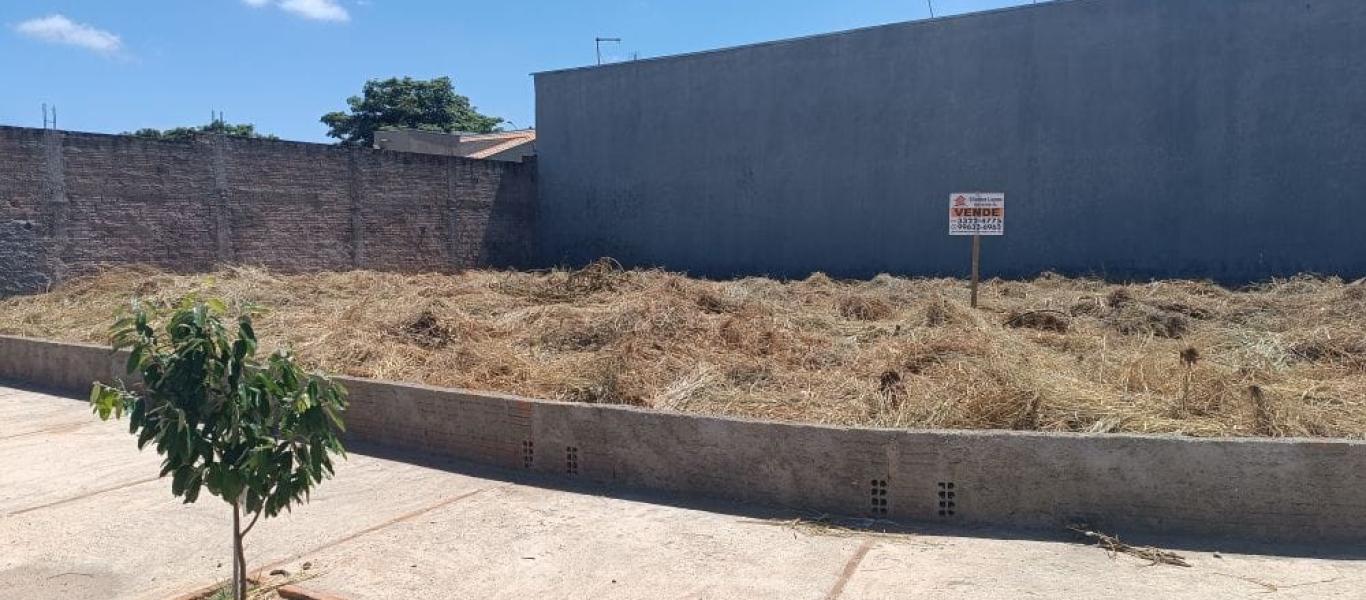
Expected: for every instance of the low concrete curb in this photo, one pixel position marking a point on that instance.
(1278, 491)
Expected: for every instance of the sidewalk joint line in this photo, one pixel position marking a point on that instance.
(850, 568)
(373, 528)
(115, 488)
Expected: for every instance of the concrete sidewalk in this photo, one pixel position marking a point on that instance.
(83, 516)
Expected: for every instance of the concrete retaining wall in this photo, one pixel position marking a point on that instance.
(1265, 490)
(1133, 138)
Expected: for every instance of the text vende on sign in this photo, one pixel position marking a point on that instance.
(977, 214)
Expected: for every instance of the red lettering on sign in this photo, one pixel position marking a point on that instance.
(979, 212)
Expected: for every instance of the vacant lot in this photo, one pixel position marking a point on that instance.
(1055, 354)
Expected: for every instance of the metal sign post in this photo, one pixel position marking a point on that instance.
(977, 214)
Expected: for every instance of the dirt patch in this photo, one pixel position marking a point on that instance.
(1119, 298)
(1131, 318)
(1042, 320)
(425, 330)
(712, 303)
(863, 308)
(1350, 353)
(278, 584)
(1087, 306)
(939, 312)
(1181, 308)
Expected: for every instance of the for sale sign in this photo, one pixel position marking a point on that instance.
(977, 214)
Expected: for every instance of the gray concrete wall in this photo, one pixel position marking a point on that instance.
(1134, 138)
(73, 202)
(1309, 491)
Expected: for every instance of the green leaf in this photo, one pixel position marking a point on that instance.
(134, 359)
(106, 401)
(216, 305)
(192, 489)
(179, 479)
(222, 421)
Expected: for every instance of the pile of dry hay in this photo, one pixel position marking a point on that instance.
(1287, 358)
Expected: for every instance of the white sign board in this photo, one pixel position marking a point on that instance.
(977, 214)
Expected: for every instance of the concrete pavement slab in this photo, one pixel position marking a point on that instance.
(82, 518)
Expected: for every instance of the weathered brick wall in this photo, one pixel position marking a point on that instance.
(128, 200)
(287, 206)
(22, 253)
(71, 203)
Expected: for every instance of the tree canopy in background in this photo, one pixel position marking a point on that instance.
(409, 104)
(180, 134)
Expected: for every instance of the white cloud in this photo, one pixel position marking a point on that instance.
(322, 10)
(61, 30)
(318, 10)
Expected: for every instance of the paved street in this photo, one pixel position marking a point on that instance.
(82, 516)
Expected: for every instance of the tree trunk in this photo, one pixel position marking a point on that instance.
(239, 565)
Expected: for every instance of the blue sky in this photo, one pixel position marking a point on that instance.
(117, 65)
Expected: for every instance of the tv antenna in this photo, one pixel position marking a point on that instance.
(52, 124)
(597, 43)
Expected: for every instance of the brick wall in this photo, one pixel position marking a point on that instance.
(22, 255)
(73, 202)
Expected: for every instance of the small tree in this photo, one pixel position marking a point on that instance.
(259, 435)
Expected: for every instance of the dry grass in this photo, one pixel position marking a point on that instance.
(1114, 547)
(1287, 358)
